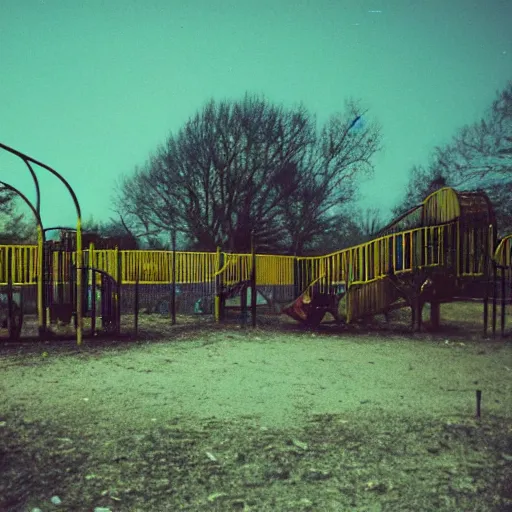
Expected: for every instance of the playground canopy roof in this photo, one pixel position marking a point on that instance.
(445, 205)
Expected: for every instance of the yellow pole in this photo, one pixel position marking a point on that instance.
(91, 275)
(40, 273)
(79, 265)
(217, 280)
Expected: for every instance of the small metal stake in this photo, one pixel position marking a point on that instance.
(478, 401)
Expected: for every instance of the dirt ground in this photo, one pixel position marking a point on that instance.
(257, 420)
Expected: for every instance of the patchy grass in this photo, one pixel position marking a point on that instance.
(220, 418)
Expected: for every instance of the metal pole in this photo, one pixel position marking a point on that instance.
(503, 301)
(243, 305)
(218, 286)
(488, 242)
(79, 289)
(136, 306)
(494, 299)
(10, 305)
(93, 303)
(253, 281)
(173, 288)
(41, 313)
(296, 279)
(486, 305)
(119, 280)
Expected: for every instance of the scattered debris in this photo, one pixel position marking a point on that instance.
(56, 500)
(379, 487)
(216, 495)
(300, 444)
(316, 475)
(211, 456)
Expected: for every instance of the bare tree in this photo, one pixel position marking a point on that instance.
(372, 221)
(353, 227)
(481, 154)
(422, 183)
(478, 157)
(328, 176)
(15, 226)
(245, 167)
(114, 230)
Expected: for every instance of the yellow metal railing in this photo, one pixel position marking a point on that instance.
(274, 270)
(23, 267)
(398, 252)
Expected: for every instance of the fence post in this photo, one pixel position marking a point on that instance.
(79, 264)
(94, 305)
(49, 279)
(494, 298)
(486, 301)
(136, 305)
(296, 277)
(253, 281)
(10, 306)
(41, 308)
(218, 287)
(243, 305)
(173, 288)
(119, 279)
(503, 302)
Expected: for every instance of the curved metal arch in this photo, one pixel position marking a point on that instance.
(36, 183)
(27, 201)
(503, 253)
(79, 256)
(28, 159)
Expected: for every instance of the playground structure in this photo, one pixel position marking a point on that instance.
(439, 251)
(442, 250)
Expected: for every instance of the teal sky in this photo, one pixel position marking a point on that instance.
(91, 88)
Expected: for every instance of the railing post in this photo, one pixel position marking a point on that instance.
(79, 290)
(119, 280)
(41, 314)
(10, 308)
(136, 307)
(253, 282)
(218, 286)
